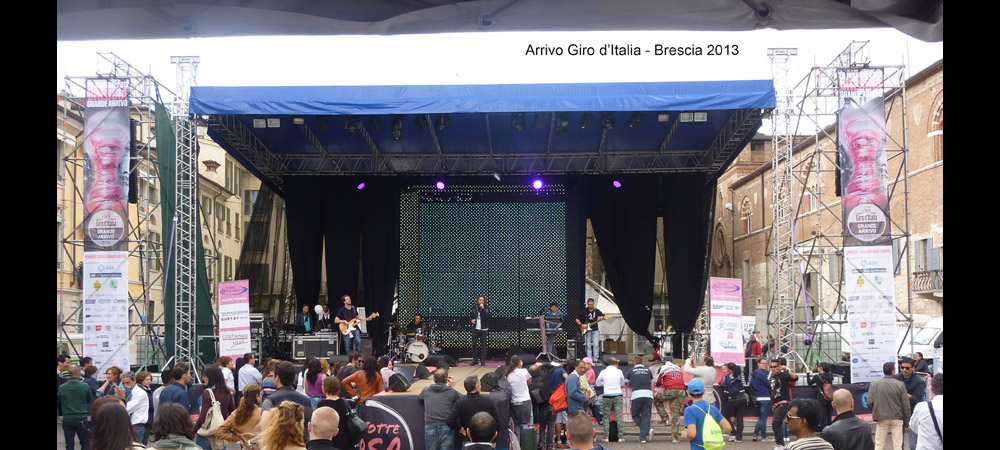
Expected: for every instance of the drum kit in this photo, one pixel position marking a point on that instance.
(415, 348)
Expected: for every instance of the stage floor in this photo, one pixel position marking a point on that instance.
(459, 373)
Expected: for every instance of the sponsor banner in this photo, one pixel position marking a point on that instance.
(871, 310)
(396, 422)
(234, 318)
(726, 320)
(106, 165)
(105, 310)
(861, 143)
(749, 325)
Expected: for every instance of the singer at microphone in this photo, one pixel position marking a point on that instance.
(481, 322)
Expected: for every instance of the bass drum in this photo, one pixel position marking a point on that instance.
(417, 351)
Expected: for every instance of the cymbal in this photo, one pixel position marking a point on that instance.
(393, 324)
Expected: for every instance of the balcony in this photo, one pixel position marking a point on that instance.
(930, 282)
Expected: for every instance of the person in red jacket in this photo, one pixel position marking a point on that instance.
(752, 352)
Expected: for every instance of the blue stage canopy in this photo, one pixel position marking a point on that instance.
(484, 129)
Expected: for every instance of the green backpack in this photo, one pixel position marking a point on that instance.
(711, 433)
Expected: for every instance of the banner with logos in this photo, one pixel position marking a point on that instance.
(871, 310)
(234, 318)
(106, 144)
(861, 144)
(726, 320)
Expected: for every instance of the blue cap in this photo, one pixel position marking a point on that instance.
(696, 387)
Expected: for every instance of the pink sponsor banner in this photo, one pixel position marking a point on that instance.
(726, 320)
(234, 318)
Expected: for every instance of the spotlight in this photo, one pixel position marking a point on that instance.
(496, 176)
(634, 120)
(353, 125)
(375, 123)
(421, 121)
(322, 123)
(361, 185)
(608, 120)
(444, 122)
(299, 121)
(540, 121)
(517, 121)
(562, 123)
(537, 184)
(617, 184)
(439, 185)
(586, 120)
(397, 127)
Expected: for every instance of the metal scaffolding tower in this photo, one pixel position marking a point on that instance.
(144, 92)
(185, 216)
(781, 312)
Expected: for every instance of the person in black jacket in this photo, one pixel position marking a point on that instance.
(480, 326)
(541, 382)
(823, 376)
(461, 415)
(847, 432)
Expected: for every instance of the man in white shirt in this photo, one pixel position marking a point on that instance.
(612, 379)
(922, 423)
(706, 373)
(249, 373)
(520, 397)
(137, 405)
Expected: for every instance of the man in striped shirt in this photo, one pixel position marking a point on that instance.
(803, 421)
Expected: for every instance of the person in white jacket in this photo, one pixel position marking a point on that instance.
(706, 373)
(612, 379)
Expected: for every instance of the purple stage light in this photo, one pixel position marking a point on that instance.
(439, 185)
(537, 184)
(361, 186)
(616, 184)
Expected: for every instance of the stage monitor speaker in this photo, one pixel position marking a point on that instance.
(621, 357)
(398, 383)
(575, 348)
(421, 373)
(320, 346)
(440, 361)
(489, 382)
(366, 347)
(527, 359)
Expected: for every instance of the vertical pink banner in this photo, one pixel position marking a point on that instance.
(234, 318)
(726, 320)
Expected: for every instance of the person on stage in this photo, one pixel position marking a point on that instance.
(346, 314)
(481, 323)
(324, 321)
(553, 320)
(588, 318)
(415, 328)
(305, 319)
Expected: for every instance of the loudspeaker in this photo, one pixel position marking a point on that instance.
(421, 373)
(406, 371)
(527, 359)
(621, 357)
(398, 383)
(842, 369)
(366, 347)
(441, 361)
(320, 346)
(575, 348)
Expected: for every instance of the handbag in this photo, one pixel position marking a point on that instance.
(558, 399)
(213, 420)
(356, 426)
(751, 395)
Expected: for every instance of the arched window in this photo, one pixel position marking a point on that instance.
(746, 214)
(935, 126)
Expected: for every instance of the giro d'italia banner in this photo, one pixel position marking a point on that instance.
(871, 310)
(106, 141)
(234, 318)
(726, 320)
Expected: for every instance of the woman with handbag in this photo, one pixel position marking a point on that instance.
(736, 405)
(241, 422)
(216, 404)
(331, 387)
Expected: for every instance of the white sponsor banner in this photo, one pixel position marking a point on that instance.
(105, 310)
(234, 318)
(871, 310)
(726, 320)
(749, 325)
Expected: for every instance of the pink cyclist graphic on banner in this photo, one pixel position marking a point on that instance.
(864, 172)
(106, 143)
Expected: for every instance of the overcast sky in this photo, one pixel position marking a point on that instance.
(486, 58)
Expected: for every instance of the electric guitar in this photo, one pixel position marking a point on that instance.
(586, 326)
(350, 326)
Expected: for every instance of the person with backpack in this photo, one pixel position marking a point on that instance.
(704, 422)
(736, 403)
(824, 382)
(541, 392)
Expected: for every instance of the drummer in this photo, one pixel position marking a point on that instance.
(415, 329)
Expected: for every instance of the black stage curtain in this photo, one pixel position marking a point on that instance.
(341, 219)
(688, 214)
(624, 221)
(380, 252)
(303, 197)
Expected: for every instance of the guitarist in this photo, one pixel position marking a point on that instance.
(481, 325)
(345, 315)
(587, 320)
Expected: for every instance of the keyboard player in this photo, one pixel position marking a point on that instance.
(553, 321)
